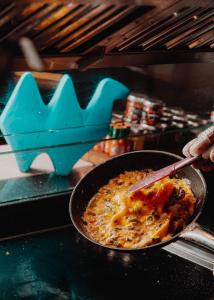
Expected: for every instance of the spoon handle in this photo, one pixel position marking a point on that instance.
(185, 162)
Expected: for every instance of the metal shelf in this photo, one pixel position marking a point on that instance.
(40, 182)
(82, 34)
(116, 60)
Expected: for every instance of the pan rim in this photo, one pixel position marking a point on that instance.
(158, 245)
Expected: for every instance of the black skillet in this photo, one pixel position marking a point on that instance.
(147, 159)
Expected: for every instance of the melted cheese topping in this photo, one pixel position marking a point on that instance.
(115, 218)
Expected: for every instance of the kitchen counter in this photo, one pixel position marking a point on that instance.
(59, 264)
(56, 263)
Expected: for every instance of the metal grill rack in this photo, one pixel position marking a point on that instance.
(79, 34)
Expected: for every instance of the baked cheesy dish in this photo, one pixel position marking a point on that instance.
(151, 215)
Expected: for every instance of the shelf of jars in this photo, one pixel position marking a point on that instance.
(42, 182)
(148, 123)
(144, 124)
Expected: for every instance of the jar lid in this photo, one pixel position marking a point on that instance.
(165, 120)
(148, 127)
(146, 100)
(136, 98)
(153, 103)
(192, 124)
(163, 126)
(167, 114)
(119, 130)
(179, 118)
(177, 111)
(192, 116)
(177, 124)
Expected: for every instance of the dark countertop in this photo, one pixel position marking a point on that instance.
(61, 265)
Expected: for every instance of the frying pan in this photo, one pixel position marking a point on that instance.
(139, 160)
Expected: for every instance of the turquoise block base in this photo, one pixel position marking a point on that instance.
(27, 123)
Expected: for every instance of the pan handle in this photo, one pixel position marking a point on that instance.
(198, 235)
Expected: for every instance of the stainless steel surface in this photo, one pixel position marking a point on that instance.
(192, 253)
(198, 235)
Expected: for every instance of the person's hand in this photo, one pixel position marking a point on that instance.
(202, 145)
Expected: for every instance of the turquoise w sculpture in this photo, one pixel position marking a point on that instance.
(27, 123)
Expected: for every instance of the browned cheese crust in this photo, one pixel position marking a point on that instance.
(115, 218)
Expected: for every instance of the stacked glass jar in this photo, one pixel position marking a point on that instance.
(116, 141)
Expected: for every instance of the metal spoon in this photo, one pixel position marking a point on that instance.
(169, 170)
(162, 173)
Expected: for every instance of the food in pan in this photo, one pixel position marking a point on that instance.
(151, 215)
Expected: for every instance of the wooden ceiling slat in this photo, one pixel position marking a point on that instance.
(31, 17)
(203, 39)
(82, 23)
(192, 34)
(100, 28)
(6, 9)
(8, 17)
(163, 9)
(174, 31)
(71, 26)
(149, 32)
(174, 27)
(30, 9)
(201, 23)
(83, 30)
(41, 38)
(133, 30)
(56, 15)
(15, 16)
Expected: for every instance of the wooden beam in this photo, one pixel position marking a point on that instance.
(44, 79)
(113, 60)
